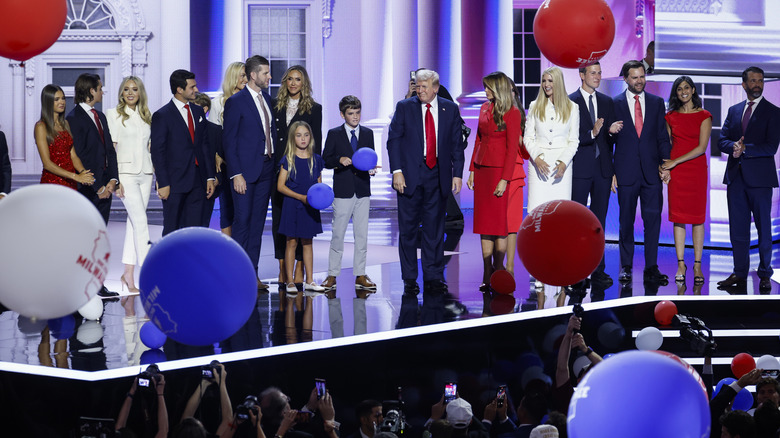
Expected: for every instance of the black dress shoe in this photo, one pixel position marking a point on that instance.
(625, 274)
(435, 286)
(602, 278)
(765, 284)
(411, 287)
(732, 280)
(652, 274)
(105, 293)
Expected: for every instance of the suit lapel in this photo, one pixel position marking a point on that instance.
(418, 117)
(251, 106)
(585, 110)
(182, 125)
(628, 121)
(89, 118)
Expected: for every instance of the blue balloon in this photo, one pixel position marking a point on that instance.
(63, 328)
(320, 196)
(364, 159)
(608, 355)
(605, 403)
(724, 381)
(151, 336)
(198, 286)
(743, 401)
(155, 355)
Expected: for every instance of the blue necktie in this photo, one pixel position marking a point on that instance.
(353, 141)
(593, 119)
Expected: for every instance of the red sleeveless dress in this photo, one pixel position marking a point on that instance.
(59, 154)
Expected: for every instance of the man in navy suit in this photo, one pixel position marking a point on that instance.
(593, 168)
(640, 149)
(92, 142)
(426, 157)
(247, 136)
(182, 164)
(750, 136)
(5, 167)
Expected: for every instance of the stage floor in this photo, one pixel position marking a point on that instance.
(113, 343)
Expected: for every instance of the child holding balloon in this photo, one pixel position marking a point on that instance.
(300, 169)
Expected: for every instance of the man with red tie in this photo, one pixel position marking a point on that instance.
(425, 148)
(185, 171)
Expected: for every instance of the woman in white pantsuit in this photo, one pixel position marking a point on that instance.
(551, 138)
(130, 127)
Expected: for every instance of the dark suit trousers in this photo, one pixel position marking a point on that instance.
(742, 201)
(250, 211)
(280, 240)
(651, 203)
(597, 187)
(103, 205)
(182, 210)
(424, 207)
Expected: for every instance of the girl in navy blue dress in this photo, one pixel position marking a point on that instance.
(300, 169)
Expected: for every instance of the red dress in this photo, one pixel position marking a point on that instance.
(59, 154)
(688, 186)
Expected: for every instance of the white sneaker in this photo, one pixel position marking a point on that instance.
(313, 287)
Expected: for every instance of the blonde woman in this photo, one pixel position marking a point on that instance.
(233, 82)
(130, 127)
(551, 138)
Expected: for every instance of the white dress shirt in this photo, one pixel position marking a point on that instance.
(632, 102)
(435, 114)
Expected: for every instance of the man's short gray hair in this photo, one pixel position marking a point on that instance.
(424, 75)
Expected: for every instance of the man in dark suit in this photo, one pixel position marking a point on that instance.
(182, 164)
(248, 133)
(214, 134)
(5, 167)
(94, 147)
(426, 157)
(640, 149)
(593, 168)
(750, 136)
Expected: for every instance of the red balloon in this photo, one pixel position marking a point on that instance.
(665, 311)
(502, 282)
(30, 26)
(574, 33)
(742, 364)
(502, 304)
(560, 242)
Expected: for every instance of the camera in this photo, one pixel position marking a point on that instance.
(152, 374)
(698, 335)
(208, 372)
(394, 418)
(249, 404)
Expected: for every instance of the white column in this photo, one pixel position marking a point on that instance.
(233, 33)
(174, 43)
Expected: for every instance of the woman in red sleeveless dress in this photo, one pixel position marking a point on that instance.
(55, 144)
(689, 127)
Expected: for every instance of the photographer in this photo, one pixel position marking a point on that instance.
(369, 416)
(212, 374)
(150, 383)
(564, 385)
(248, 410)
(279, 420)
(723, 399)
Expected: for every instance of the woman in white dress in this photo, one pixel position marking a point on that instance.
(130, 127)
(233, 82)
(551, 138)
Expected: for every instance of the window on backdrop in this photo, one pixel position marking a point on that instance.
(527, 58)
(279, 34)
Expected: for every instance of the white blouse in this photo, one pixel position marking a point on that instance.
(215, 110)
(132, 142)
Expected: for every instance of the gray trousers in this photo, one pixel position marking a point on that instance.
(344, 209)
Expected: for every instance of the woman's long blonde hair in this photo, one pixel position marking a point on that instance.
(306, 102)
(498, 84)
(290, 151)
(142, 107)
(562, 103)
(230, 83)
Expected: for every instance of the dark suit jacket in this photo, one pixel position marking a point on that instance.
(761, 140)
(214, 134)
(406, 142)
(347, 181)
(652, 148)
(96, 155)
(314, 119)
(243, 136)
(174, 153)
(5, 165)
(585, 158)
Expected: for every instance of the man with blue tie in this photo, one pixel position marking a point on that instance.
(247, 136)
(184, 169)
(750, 137)
(593, 168)
(640, 150)
(425, 149)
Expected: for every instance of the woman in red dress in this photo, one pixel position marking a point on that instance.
(55, 144)
(492, 167)
(689, 127)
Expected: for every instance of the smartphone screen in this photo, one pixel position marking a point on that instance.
(450, 391)
(320, 385)
(413, 75)
(501, 396)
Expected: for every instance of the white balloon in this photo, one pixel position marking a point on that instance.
(93, 310)
(768, 362)
(89, 333)
(649, 338)
(55, 251)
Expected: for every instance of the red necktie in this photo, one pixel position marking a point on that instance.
(99, 126)
(430, 138)
(191, 127)
(638, 116)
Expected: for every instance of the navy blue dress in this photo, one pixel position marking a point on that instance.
(298, 219)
